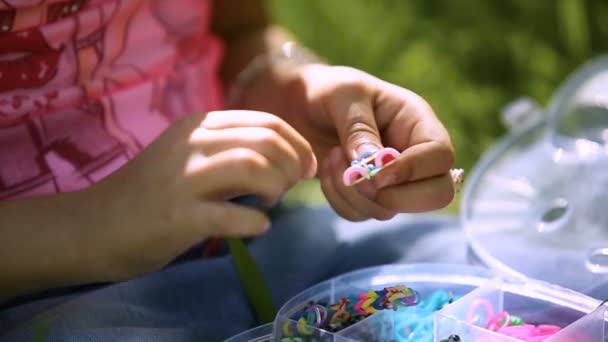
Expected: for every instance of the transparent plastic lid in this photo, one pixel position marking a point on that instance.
(537, 203)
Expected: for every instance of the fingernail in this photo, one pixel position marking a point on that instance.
(368, 190)
(364, 148)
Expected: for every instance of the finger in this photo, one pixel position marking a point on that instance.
(236, 172)
(420, 196)
(352, 112)
(239, 118)
(227, 219)
(263, 140)
(406, 119)
(360, 197)
(336, 199)
(422, 161)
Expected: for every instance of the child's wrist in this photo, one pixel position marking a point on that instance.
(287, 58)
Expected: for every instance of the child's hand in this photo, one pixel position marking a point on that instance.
(344, 112)
(174, 193)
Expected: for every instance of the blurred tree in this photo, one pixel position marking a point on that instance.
(468, 58)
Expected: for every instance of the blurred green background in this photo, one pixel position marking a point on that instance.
(467, 58)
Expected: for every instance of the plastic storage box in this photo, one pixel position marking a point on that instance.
(541, 191)
(534, 302)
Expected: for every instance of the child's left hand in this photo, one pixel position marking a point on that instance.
(344, 112)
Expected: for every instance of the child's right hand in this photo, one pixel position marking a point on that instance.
(174, 193)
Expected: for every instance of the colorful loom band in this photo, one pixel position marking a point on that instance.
(357, 308)
(286, 329)
(368, 165)
(303, 327)
(354, 307)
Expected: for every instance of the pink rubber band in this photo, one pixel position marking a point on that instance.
(548, 329)
(353, 174)
(383, 153)
(479, 302)
(494, 323)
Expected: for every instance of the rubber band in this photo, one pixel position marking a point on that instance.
(500, 320)
(471, 314)
(303, 327)
(414, 318)
(353, 308)
(548, 329)
(368, 165)
(416, 323)
(516, 320)
(530, 332)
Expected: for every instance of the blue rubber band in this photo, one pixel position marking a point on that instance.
(365, 155)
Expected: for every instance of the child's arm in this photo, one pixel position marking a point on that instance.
(168, 198)
(45, 242)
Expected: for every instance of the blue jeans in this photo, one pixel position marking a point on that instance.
(202, 299)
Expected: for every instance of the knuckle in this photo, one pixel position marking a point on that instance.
(271, 139)
(276, 124)
(419, 103)
(352, 86)
(349, 78)
(361, 134)
(249, 161)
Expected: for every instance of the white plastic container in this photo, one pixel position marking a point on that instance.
(535, 302)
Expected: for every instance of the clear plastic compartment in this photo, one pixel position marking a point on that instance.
(540, 190)
(262, 333)
(477, 315)
(534, 302)
(385, 325)
(590, 328)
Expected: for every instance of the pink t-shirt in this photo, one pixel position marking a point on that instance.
(86, 84)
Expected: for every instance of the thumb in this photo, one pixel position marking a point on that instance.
(357, 128)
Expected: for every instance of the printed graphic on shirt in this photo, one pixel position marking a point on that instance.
(86, 84)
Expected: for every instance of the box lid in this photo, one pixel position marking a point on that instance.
(536, 205)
